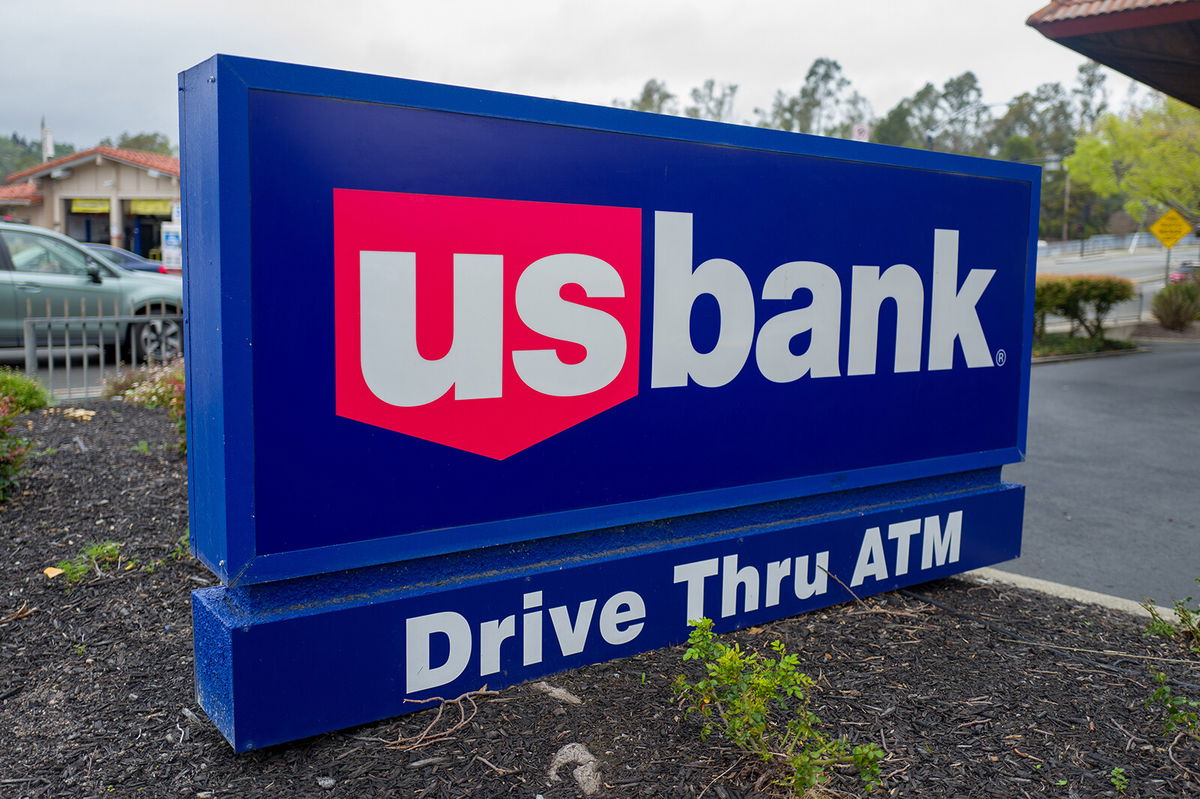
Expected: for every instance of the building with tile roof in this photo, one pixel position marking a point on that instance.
(106, 194)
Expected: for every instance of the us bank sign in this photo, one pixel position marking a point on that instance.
(484, 387)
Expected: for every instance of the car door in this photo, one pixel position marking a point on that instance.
(51, 277)
(10, 323)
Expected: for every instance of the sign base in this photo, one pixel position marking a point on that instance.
(280, 661)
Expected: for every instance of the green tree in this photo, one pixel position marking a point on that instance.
(1019, 148)
(896, 127)
(1151, 157)
(926, 115)
(821, 106)
(654, 99)
(712, 101)
(150, 142)
(967, 119)
(822, 91)
(17, 153)
(1091, 96)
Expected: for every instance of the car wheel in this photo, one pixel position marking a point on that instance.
(158, 340)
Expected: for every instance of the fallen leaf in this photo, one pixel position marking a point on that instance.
(52, 571)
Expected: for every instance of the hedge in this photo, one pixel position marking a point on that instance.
(1084, 299)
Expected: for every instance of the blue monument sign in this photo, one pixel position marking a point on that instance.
(483, 387)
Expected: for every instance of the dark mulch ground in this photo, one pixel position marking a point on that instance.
(96, 684)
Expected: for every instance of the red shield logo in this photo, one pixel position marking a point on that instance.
(484, 325)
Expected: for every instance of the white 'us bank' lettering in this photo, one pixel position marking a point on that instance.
(473, 367)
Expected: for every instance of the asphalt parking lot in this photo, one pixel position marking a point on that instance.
(1113, 474)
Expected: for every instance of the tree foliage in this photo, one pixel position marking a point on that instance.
(654, 99)
(824, 104)
(17, 153)
(1041, 126)
(1150, 157)
(712, 101)
(150, 142)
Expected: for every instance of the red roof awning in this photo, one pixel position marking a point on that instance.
(1156, 42)
(20, 194)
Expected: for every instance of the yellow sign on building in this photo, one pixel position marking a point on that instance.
(1170, 228)
(150, 207)
(83, 205)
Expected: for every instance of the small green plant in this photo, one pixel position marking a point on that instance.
(159, 386)
(182, 546)
(1177, 305)
(1182, 715)
(13, 449)
(1186, 627)
(98, 558)
(761, 704)
(1119, 779)
(142, 447)
(27, 394)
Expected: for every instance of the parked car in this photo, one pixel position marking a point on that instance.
(127, 259)
(43, 273)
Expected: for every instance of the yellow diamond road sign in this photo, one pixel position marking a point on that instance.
(1170, 228)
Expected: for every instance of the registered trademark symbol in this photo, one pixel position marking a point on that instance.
(1001, 357)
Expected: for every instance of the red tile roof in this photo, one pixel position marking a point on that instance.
(1079, 17)
(19, 194)
(167, 164)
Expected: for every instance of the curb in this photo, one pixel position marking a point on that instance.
(1167, 340)
(1087, 355)
(990, 575)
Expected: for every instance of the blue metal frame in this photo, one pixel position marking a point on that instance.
(217, 207)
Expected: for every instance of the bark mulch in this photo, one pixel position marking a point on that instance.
(992, 692)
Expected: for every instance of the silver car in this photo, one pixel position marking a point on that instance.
(43, 273)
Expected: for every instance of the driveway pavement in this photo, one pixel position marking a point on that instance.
(1113, 475)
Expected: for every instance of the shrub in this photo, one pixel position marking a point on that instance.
(160, 386)
(13, 448)
(25, 392)
(1177, 305)
(1084, 299)
(739, 692)
(1050, 293)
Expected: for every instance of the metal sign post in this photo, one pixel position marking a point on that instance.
(483, 387)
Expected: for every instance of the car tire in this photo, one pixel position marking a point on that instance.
(157, 340)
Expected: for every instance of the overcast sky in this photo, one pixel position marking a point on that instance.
(98, 68)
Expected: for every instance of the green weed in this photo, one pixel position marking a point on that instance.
(94, 558)
(142, 447)
(1186, 627)
(1181, 712)
(182, 547)
(1119, 779)
(762, 706)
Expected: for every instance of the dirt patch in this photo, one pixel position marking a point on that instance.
(1155, 331)
(968, 699)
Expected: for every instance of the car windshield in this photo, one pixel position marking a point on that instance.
(31, 252)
